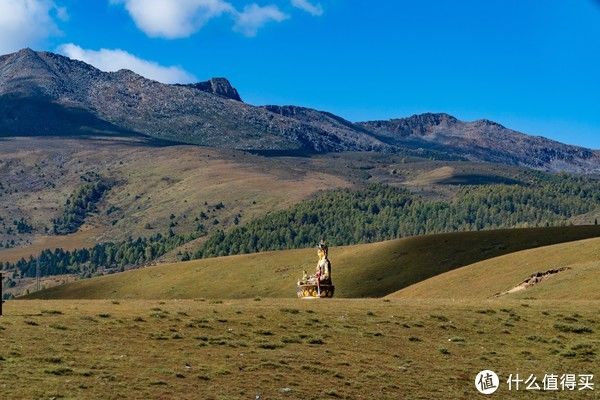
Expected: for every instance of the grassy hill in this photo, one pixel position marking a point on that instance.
(367, 270)
(155, 187)
(289, 348)
(81, 239)
(488, 278)
(37, 176)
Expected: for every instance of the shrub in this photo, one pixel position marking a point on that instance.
(572, 328)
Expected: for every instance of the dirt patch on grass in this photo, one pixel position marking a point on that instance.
(533, 280)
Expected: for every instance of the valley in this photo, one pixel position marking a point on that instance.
(152, 236)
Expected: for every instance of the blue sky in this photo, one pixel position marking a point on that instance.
(530, 65)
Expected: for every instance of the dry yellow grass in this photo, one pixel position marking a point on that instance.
(434, 176)
(442, 176)
(368, 270)
(152, 183)
(288, 348)
(78, 240)
(485, 279)
(589, 218)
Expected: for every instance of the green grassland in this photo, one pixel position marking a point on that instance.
(367, 270)
(487, 278)
(290, 348)
(220, 328)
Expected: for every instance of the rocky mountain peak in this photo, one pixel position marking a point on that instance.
(26, 73)
(219, 86)
(418, 124)
(25, 53)
(432, 119)
(25, 58)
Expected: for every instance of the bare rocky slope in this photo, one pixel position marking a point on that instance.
(484, 140)
(45, 94)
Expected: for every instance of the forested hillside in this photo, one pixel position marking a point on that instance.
(382, 212)
(86, 262)
(80, 204)
(346, 216)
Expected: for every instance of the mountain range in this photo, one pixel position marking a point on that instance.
(46, 94)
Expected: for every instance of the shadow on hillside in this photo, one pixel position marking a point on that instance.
(477, 179)
(27, 117)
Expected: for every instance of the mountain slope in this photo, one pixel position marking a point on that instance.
(344, 129)
(572, 272)
(43, 93)
(484, 140)
(38, 175)
(366, 270)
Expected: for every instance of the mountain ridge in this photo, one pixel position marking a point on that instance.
(219, 86)
(485, 140)
(75, 98)
(42, 93)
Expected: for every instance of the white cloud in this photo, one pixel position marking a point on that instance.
(26, 23)
(173, 19)
(254, 17)
(111, 60)
(62, 13)
(313, 9)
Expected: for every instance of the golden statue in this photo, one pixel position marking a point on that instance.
(319, 284)
(323, 271)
